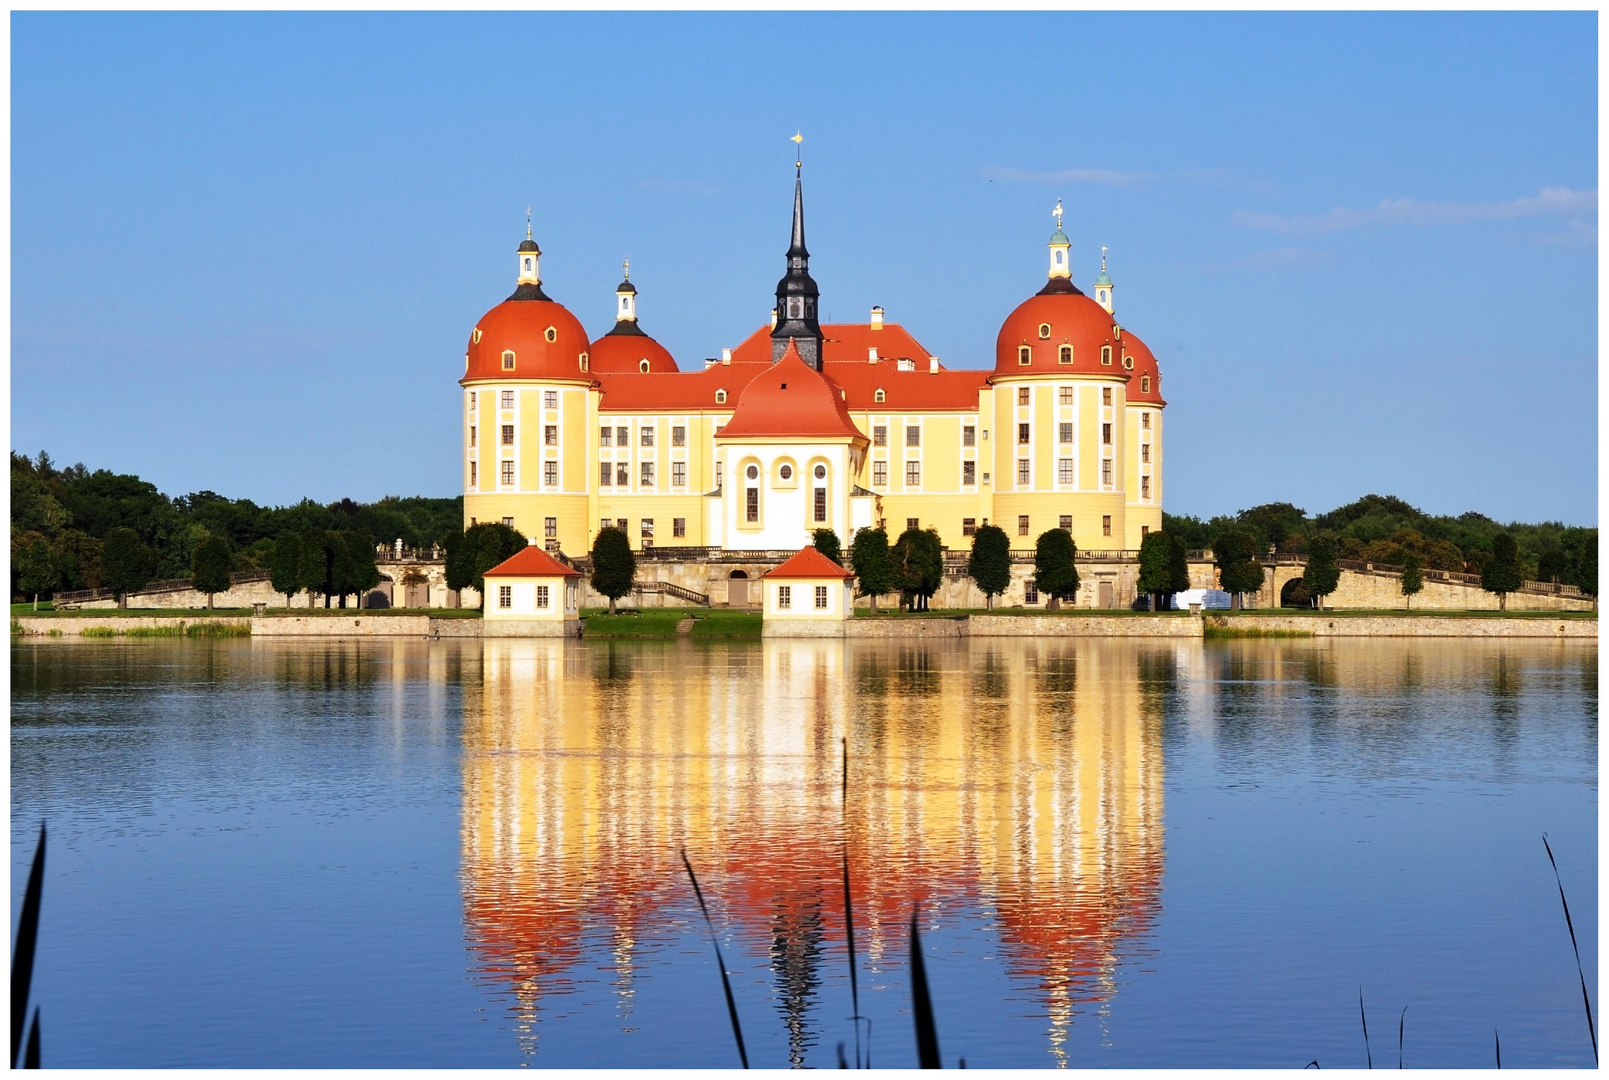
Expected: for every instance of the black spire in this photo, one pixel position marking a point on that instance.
(797, 293)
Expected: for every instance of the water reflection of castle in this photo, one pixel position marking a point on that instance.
(1022, 777)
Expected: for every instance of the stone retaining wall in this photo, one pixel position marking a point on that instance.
(1147, 626)
(1483, 626)
(358, 624)
(74, 626)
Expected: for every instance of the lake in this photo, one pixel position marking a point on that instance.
(463, 853)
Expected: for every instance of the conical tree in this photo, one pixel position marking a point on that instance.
(989, 565)
(870, 560)
(614, 567)
(1055, 566)
(209, 567)
(1501, 574)
(284, 566)
(1413, 578)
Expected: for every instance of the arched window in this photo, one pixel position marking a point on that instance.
(1106, 355)
(720, 397)
(1065, 354)
(551, 334)
(1025, 355)
(584, 361)
(1044, 331)
(1145, 384)
(508, 361)
(879, 397)
(642, 366)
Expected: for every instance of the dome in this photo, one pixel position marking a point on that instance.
(547, 341)
(622, 351)
(1073, 319)
(1145, 381)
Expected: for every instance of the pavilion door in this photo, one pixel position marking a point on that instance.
(1106, 594)
(737, 593)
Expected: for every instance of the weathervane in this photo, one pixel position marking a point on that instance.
(1056, 213)
(797, 139)
(1103, 258)
(626, 265)
(527, 223)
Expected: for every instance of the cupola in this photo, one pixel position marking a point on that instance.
(1103, 285)
(1061, 249)
(626, 297)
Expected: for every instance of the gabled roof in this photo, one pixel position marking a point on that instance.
(845, 354)
(532, 562)
(792, 400)
(809, 563)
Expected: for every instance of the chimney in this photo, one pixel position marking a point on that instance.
(871, 356)
(710, 361)
(932, 365)
(773, 318)
(877, 318)
(726, 354)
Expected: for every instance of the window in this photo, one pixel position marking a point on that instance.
(1066, 523)
(603, 523)
(1128, 362)
(913, 523)
(642, 366)
(879, 473)
(647, 436)
(1065, 354)
(623, 436)
(1106, 434)
(552, 334)
(1145, 420)
(623, 524)
(969, 435)
(508, 434)
(879, 397)
(913, 435)
(648, 528)
(1145, 384)
(784, 596)
(785, 473)
(1030, 592)
(752, 506)
(913, 474)
(1106, 471)
(1022, 471)
(719, 466)
(752, 472)
(678, 474)
(472, 431)
(880, 435)
(969, 473)
(509, 522)
(678, 526)
(1023, 397)
(969, 526)
(1064, 470)
(583, 359)
(1044, 331)
(474, 473)
(550, 527)
(1145, 453)
(821, 505)
(1022, 524)
(1023, 437)
(720, 397)
(550, 399)
(506, 473)
(1145, 530)
(1106, 395)
(648, 474)
(678, 436)
(508, 361)
(821, 598)
(1106, 356)
(1064, 432)
(821, 472)
(1106, 524)
(505, 596)
(1145, 487)
(550, 435)
(542, 597)
(505, 399)
(474, 398)
(1064, 395)
(606, 436)
(550, 473)
(1025, 356)
(622, 474)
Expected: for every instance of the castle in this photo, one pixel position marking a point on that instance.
(807, 425)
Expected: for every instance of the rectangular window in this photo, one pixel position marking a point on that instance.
(969, 473)
(474, 473)
(821, 505)
(821, 598)
(969, 526)
(1145, 530)
(624, 525)
(550, 473)
(606, 435)
(550, 527)
(647, 436)
(474, 396)
(913, 435)
(1106, 434)
(718, 471)
(509, 522)
(678, 474)
(506, 399)
(1022, 524)
(550, 400)
(1023, 438)
(678, 526)
(648, 474)
(506, 473)
(1066, 523)
(1106, 524)
(784, 596)
(542, 597)
(1030, 592)
(1145, 453)
(1023, 474)
(1145, 420)
(505, 596)
(606, 473)
(678, 436)
(879, 434)
(1064, 471)
(508, 434)
(1064, 432)
(1065, 354)
(1064, 395)
(472, 431)
(623, 436)
(1145, 487)
(913, 474)
(1023, 395)
(913, 523)
(603, 523)
(879, 473)
(1106, 471)
(647, 528)
(1106, 395)
(622, 474)
(751, 506)
(550, 435)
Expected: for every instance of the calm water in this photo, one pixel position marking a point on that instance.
(406, 853)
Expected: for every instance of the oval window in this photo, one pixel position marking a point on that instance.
(1044, 331)
(821, 472)
(786, 472)
(642, 366)
(1128, 363)
(551, 334)
(752, 472)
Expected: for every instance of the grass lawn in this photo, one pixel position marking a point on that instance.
(1375, 613)
(961, 613)
(28, 608)
(661, 622)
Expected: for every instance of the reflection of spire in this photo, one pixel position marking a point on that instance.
(796, 939)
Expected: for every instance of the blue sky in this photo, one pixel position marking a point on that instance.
(247, 250)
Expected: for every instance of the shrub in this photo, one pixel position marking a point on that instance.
(989, 565)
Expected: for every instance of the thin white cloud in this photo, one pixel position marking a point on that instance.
(1071, 176)
(1550, 201)
(1576, 236)
(680, 187)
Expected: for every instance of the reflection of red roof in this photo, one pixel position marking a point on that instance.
(532, 562)
(809, 563)
(520, 327)
(791, 399)
(620, 353)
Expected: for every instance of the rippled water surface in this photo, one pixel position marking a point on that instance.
(271, 853)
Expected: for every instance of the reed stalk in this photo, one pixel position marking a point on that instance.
(1585, 1000)
(927, 1036)
(720, 963)
(22, 959)
(1365, 1019)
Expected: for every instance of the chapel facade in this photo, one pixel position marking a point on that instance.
(805, 425)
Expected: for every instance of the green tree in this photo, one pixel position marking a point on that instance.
(285, 566)
(869, 557)
(989, 565)
(1239, 572)
(78, 556)
(362, 573)
(1156, 576)
(918, 561)
(614, 567)
(37, 570)
(493, 543)
(1055, 568)
(1323, 573)
(343, 567)
(125, 563)
(1586, 569)
(209, 568)
(314, 569)
(1502, 574)
(826, 542)
(1553, 564)
(1178, 562)
(1413, 578)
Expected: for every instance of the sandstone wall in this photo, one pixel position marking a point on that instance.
(1483, 626)
(74, 626)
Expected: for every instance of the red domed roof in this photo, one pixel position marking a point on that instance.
(1145, 381)
(619, 352)
(791, 399)
(523, 326)
(1073, 319)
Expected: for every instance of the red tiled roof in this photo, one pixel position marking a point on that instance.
(809, 563)
(1074, 319)
(846, 350)
(1144, 364)
(532, 562)
(790, 398)
(689, 391)
(624, 353)
(521, 326)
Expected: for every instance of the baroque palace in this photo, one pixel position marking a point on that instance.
(807, 425)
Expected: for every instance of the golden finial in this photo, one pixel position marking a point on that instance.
(798, 139)
(626, 266)
(1103, 258)
(527, 223)
(1056, 213)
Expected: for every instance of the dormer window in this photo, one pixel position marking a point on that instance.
(1145, 384)
(584, 362)
(879, 397)
(508, 360)
(1065, 354)
(720, 397)
(642, 366)
(1106, 356)
(1044, 331)
(1025, 355)
(551, 334)
(1128, 363)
